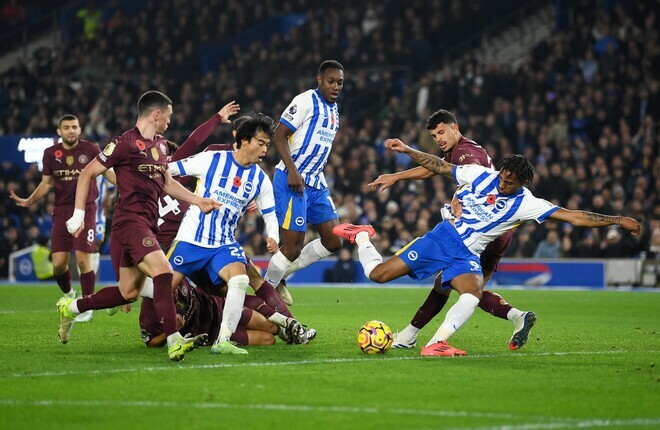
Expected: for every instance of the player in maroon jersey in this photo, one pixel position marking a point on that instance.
(62, 164)
(201, 312)
(139, 157)
(459, 150)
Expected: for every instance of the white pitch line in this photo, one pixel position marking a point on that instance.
(272, 407)
(576, 423)
(556, 423)
(297, 363)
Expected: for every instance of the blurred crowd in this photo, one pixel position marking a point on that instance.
(584, 107)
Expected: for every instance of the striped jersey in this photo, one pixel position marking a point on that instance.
(314, 123)
(220, 177)
(487, 214)
(104, 187)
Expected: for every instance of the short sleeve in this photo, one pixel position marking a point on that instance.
(116, 152)
(195, 165)
(47, 167)
(537, 209)
(465, 175)
(297, 112)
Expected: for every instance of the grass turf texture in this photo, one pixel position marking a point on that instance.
(591, 362)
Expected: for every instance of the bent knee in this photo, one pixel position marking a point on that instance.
(130, 296)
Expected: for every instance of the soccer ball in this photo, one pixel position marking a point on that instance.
(374, 337)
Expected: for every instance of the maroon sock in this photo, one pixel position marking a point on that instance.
(163, 303)
(495, 304)
(429, 309)
(259, 305)
(105, 298)
(64, 281)
(268, 294)
(87, 281)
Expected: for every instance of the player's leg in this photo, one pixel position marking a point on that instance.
(62, 273)
(469, 285)
(232, 263)
(435, 301)
(264, 290)
(291, 331)
(291, 211)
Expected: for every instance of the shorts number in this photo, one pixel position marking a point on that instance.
(90, 235)
(237, 252)
(475, 266)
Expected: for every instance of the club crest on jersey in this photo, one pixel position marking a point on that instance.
(154, 154)
(82, 159)
(58, 156)
(69, 160)
(148, 242)
(237, 181)
(249, 186)
(500, 204)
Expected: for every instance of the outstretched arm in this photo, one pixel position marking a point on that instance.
(591, 219)
(430, 162)
(42, 189)
(178, 191)
(387, 180)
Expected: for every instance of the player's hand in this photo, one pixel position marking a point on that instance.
(19, 201)
(252, 206)
(209, 205)
(228, 110)
(271, 245)
(456, 207)
(631, 225)
(75, 224)
(295, 181)
(384, 181)
(396, 145)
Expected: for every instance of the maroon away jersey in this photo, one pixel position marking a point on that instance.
(140, 166)
(467, 151)
(65, 165)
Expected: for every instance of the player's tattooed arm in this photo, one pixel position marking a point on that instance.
(591, 219)
(430, 162)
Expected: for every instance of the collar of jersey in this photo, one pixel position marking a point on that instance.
(324, 101)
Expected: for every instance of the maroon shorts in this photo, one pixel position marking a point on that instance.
(495, 250)
(62, 241)
(130, 242)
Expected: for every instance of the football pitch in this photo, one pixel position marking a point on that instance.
(591, 362)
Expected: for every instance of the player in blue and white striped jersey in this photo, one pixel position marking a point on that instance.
(206, 241)
(493, 203)
(304, 140)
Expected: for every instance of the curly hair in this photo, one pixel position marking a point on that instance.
(518, 165)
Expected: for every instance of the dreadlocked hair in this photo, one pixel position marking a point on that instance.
(518, 165)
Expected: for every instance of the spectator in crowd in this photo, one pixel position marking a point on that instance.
(550, 247)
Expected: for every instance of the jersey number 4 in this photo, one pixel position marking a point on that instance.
(170, 205)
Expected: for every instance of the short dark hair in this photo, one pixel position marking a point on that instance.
(152, 100)
(253, 124)
(66, 117)
(330, 64)
(518, 165)
(440, 116)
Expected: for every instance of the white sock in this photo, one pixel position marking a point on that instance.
(96, 261)
(369, 257)
(311, 253)
(456, 316)
(231, 314)
(409, 332)
(173, 338)
(73, 307)
(278, 319)
(71, 294)
(513, 314)
(277, 267)
(148, 288)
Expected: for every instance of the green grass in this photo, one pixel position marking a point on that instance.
(591, 362)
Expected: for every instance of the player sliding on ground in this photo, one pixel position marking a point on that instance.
(493, 203)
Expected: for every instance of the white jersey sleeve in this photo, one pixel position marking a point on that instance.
(299, 110)
(196, 165)
(534, 208)
(469, 173)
